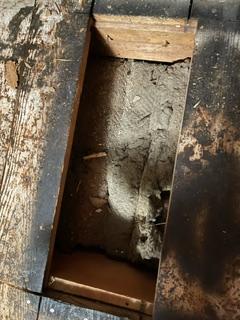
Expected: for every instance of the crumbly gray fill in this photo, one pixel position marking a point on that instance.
(129, 122)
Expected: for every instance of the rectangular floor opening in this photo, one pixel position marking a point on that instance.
(114, 207)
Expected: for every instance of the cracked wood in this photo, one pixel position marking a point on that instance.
(17, 304)
(44, 42)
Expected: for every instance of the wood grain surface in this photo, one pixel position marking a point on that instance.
(199, 271)
(17, 304)
(42, 64)
(53, 310)
(77, 274)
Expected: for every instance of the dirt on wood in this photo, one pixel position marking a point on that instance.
(131, 113)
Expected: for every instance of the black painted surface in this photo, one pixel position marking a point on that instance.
(157, 8)
(224, 10)
(199, 272)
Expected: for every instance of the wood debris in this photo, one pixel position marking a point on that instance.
(11, 74)
(95, 155)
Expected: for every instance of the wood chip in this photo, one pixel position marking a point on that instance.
(82, 3)
(11, 74)
(197, 104)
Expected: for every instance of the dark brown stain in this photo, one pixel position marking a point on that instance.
(199, 273)
(220, 226)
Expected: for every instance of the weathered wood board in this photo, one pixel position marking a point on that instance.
(17, 304)
(152, 30)
(42, 50)
(144, 38)
(53, 310)
(12, 43)
(199, 272)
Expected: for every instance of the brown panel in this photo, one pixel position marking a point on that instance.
(144, 38)
(77, 274)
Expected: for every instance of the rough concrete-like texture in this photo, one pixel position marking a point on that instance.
(131, 113)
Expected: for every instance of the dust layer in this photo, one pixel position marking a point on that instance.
(123, 156)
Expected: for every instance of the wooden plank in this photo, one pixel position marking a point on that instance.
(199, 272)
(157, 8)
(17, 304)
(51, 310)
(48, 42)
(101, 295)
(145, 38)
(13, 29)
(154, 30)
(96, 305)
